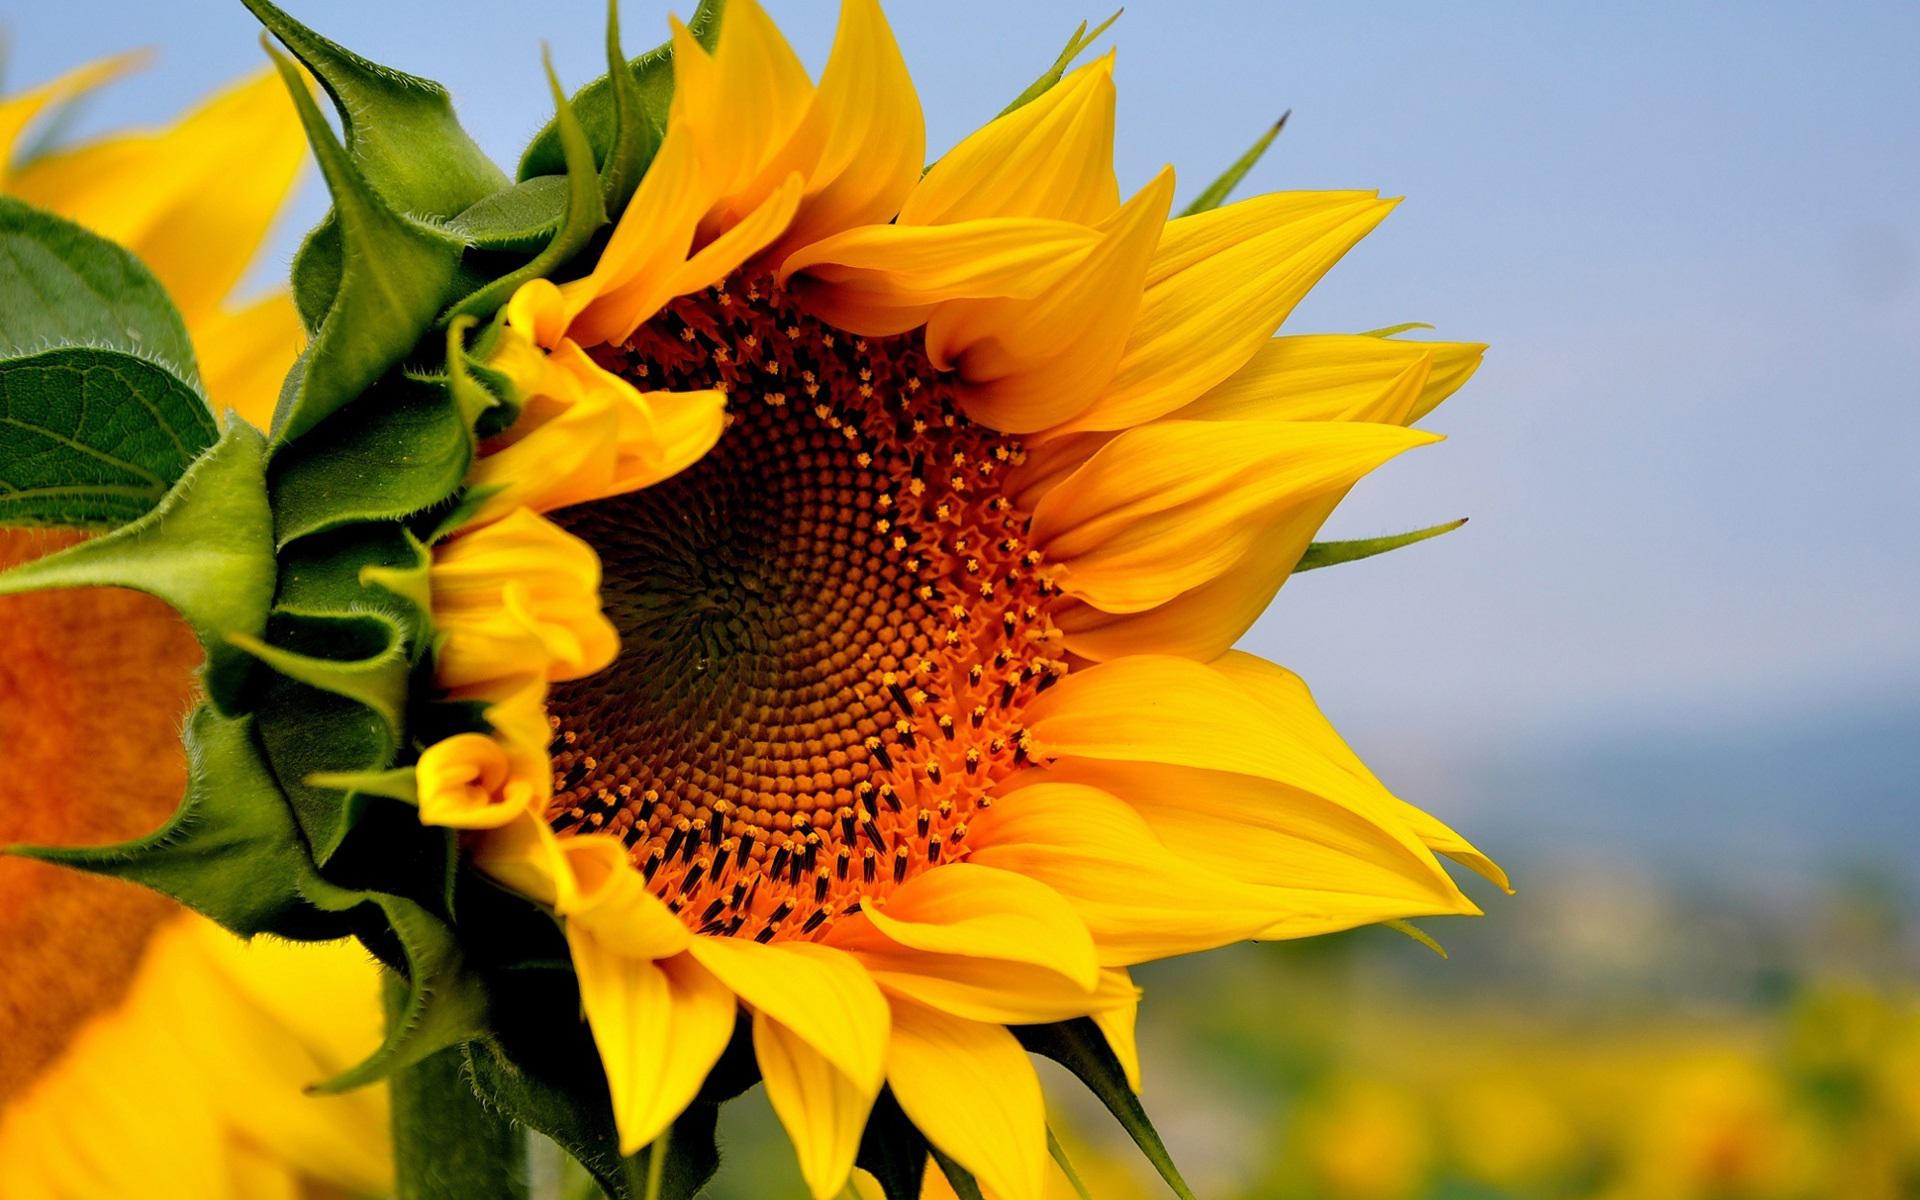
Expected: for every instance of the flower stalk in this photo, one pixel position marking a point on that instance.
(447, 1144)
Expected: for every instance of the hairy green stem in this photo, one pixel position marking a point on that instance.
(446, 1144)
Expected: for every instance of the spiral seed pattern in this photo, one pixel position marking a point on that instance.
(830, 626)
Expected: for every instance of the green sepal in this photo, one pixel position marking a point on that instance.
(1409, 929)
(395, 783)
(316, 272)
(230, 852)
(586, 213)
(66, 286)
(596, 106)
(1059, 1154)
(1080, 1047)
(1215, 194)
(373, 670)
(958, 1177)
(635, 140)
(893, 1150)
(311, 733)
(369, 565)
(206, 549)
(401, 131)
(400, 449)
(1075, 47)
(445, 1005)
(94, 438)
(1327, 554)
(518, 219)
(396, 273)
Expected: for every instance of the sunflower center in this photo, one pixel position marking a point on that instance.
(829, 626)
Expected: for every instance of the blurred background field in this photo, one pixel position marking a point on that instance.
(1670, 673)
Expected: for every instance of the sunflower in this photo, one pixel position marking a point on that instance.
(852, 598)
(142, 1050)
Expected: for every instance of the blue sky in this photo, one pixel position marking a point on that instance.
(1689, 231)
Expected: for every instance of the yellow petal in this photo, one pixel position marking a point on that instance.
(515, 598)
(609, 900)
(1050, 158)
(746, 108)
(1025, 365)
(1173, 504)
(1141, 900)
(467, 782)
(971, 1090)
(997, 991)
(659, 1026)
(20, 111)
(821, 995)
(978, 912)
(876, 140)
(193, 202)
(651, 241)
(886, 279)
(245, 354)
(1337, 377)
(1287, 696)
(742, 239)
(1202, 622)
(1215, 294)
(1261, 832)
(824, 1112)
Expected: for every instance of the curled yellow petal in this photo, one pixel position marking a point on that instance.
(468, 782)
(516, 598)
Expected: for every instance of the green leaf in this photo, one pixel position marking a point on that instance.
(445, 1005)
(206, 549)
(316, 272)
(368, 663)
(396, 274)
(402, 448)
(652, 75)
(522, 218)
(1080, 1047)
(61, 285)
(230, 852)
(93, 438)
(893, 1150)
(1327, 554)
(1076, 45)
(586, 214)
(1216, 193)
(958, 1176)
(1059, 1154)
(310, 733)
(365, 566)
(401, 131)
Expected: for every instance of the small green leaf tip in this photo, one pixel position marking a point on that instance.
(1216, 193)
(395, 274)
(1076, 45)
(1080, 1047)
(401, 131)
(586, 211)
(1327, 554)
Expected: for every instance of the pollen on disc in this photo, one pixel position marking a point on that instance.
(830, 625)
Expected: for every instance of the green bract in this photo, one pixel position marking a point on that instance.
(300, 561)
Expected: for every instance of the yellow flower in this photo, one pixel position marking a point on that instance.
(192, 1084)
(194, 202)
(143, 1051)
(928, 509)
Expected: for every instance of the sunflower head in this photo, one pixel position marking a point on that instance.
(777, 598)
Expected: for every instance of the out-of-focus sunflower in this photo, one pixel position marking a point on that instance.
(853, 598)
(143, 1051)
